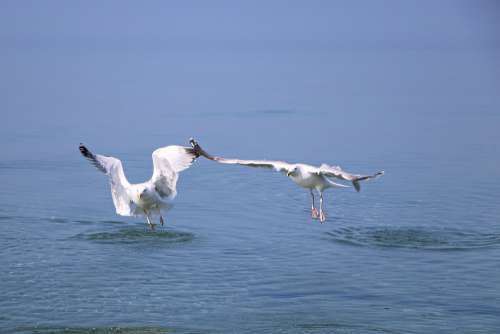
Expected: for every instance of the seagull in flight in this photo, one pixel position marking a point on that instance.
(306, 176)
(150, 197)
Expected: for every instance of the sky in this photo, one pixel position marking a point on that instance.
(118, 74)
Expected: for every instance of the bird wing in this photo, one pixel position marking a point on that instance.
(279, 166)
(167, 163)
(337, 172)
(119, 183)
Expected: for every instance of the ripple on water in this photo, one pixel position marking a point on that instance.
(341, 328)
(133, 235)
(90, 222)
(271, 112)
(95, 330)
(415, 237)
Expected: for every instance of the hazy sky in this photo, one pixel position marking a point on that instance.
(78, 69)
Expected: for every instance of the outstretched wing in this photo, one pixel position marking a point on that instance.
(168, 162)
(119, 183)
(337, 172)
(279, 166)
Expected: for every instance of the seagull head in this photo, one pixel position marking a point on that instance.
(292, 172)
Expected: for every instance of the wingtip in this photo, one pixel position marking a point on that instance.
(198, 150)
(193, 142)
(84, 150)
(196, 147)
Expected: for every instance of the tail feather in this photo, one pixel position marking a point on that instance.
(356, 184)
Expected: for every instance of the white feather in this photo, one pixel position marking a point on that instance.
(153, 195)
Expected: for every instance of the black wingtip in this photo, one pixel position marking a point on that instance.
(84, 150)
(198, 150)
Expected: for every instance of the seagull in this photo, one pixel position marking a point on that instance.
(306, 176)
(150, 197)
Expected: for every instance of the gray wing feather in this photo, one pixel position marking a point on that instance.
(337, 172)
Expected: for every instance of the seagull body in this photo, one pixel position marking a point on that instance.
(306, 176)
(153, 196)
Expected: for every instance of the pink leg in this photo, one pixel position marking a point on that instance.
(322, 216)
(314, 211)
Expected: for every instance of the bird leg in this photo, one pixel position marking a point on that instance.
(322, 216)
(161, 220)
(151, 225)
(314, 211)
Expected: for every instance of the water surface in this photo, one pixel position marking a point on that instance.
(414, 251)
(408, 88)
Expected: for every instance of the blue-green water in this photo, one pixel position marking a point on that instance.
(415, 251)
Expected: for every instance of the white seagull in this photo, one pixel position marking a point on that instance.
(151, 197)
(306, 176)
